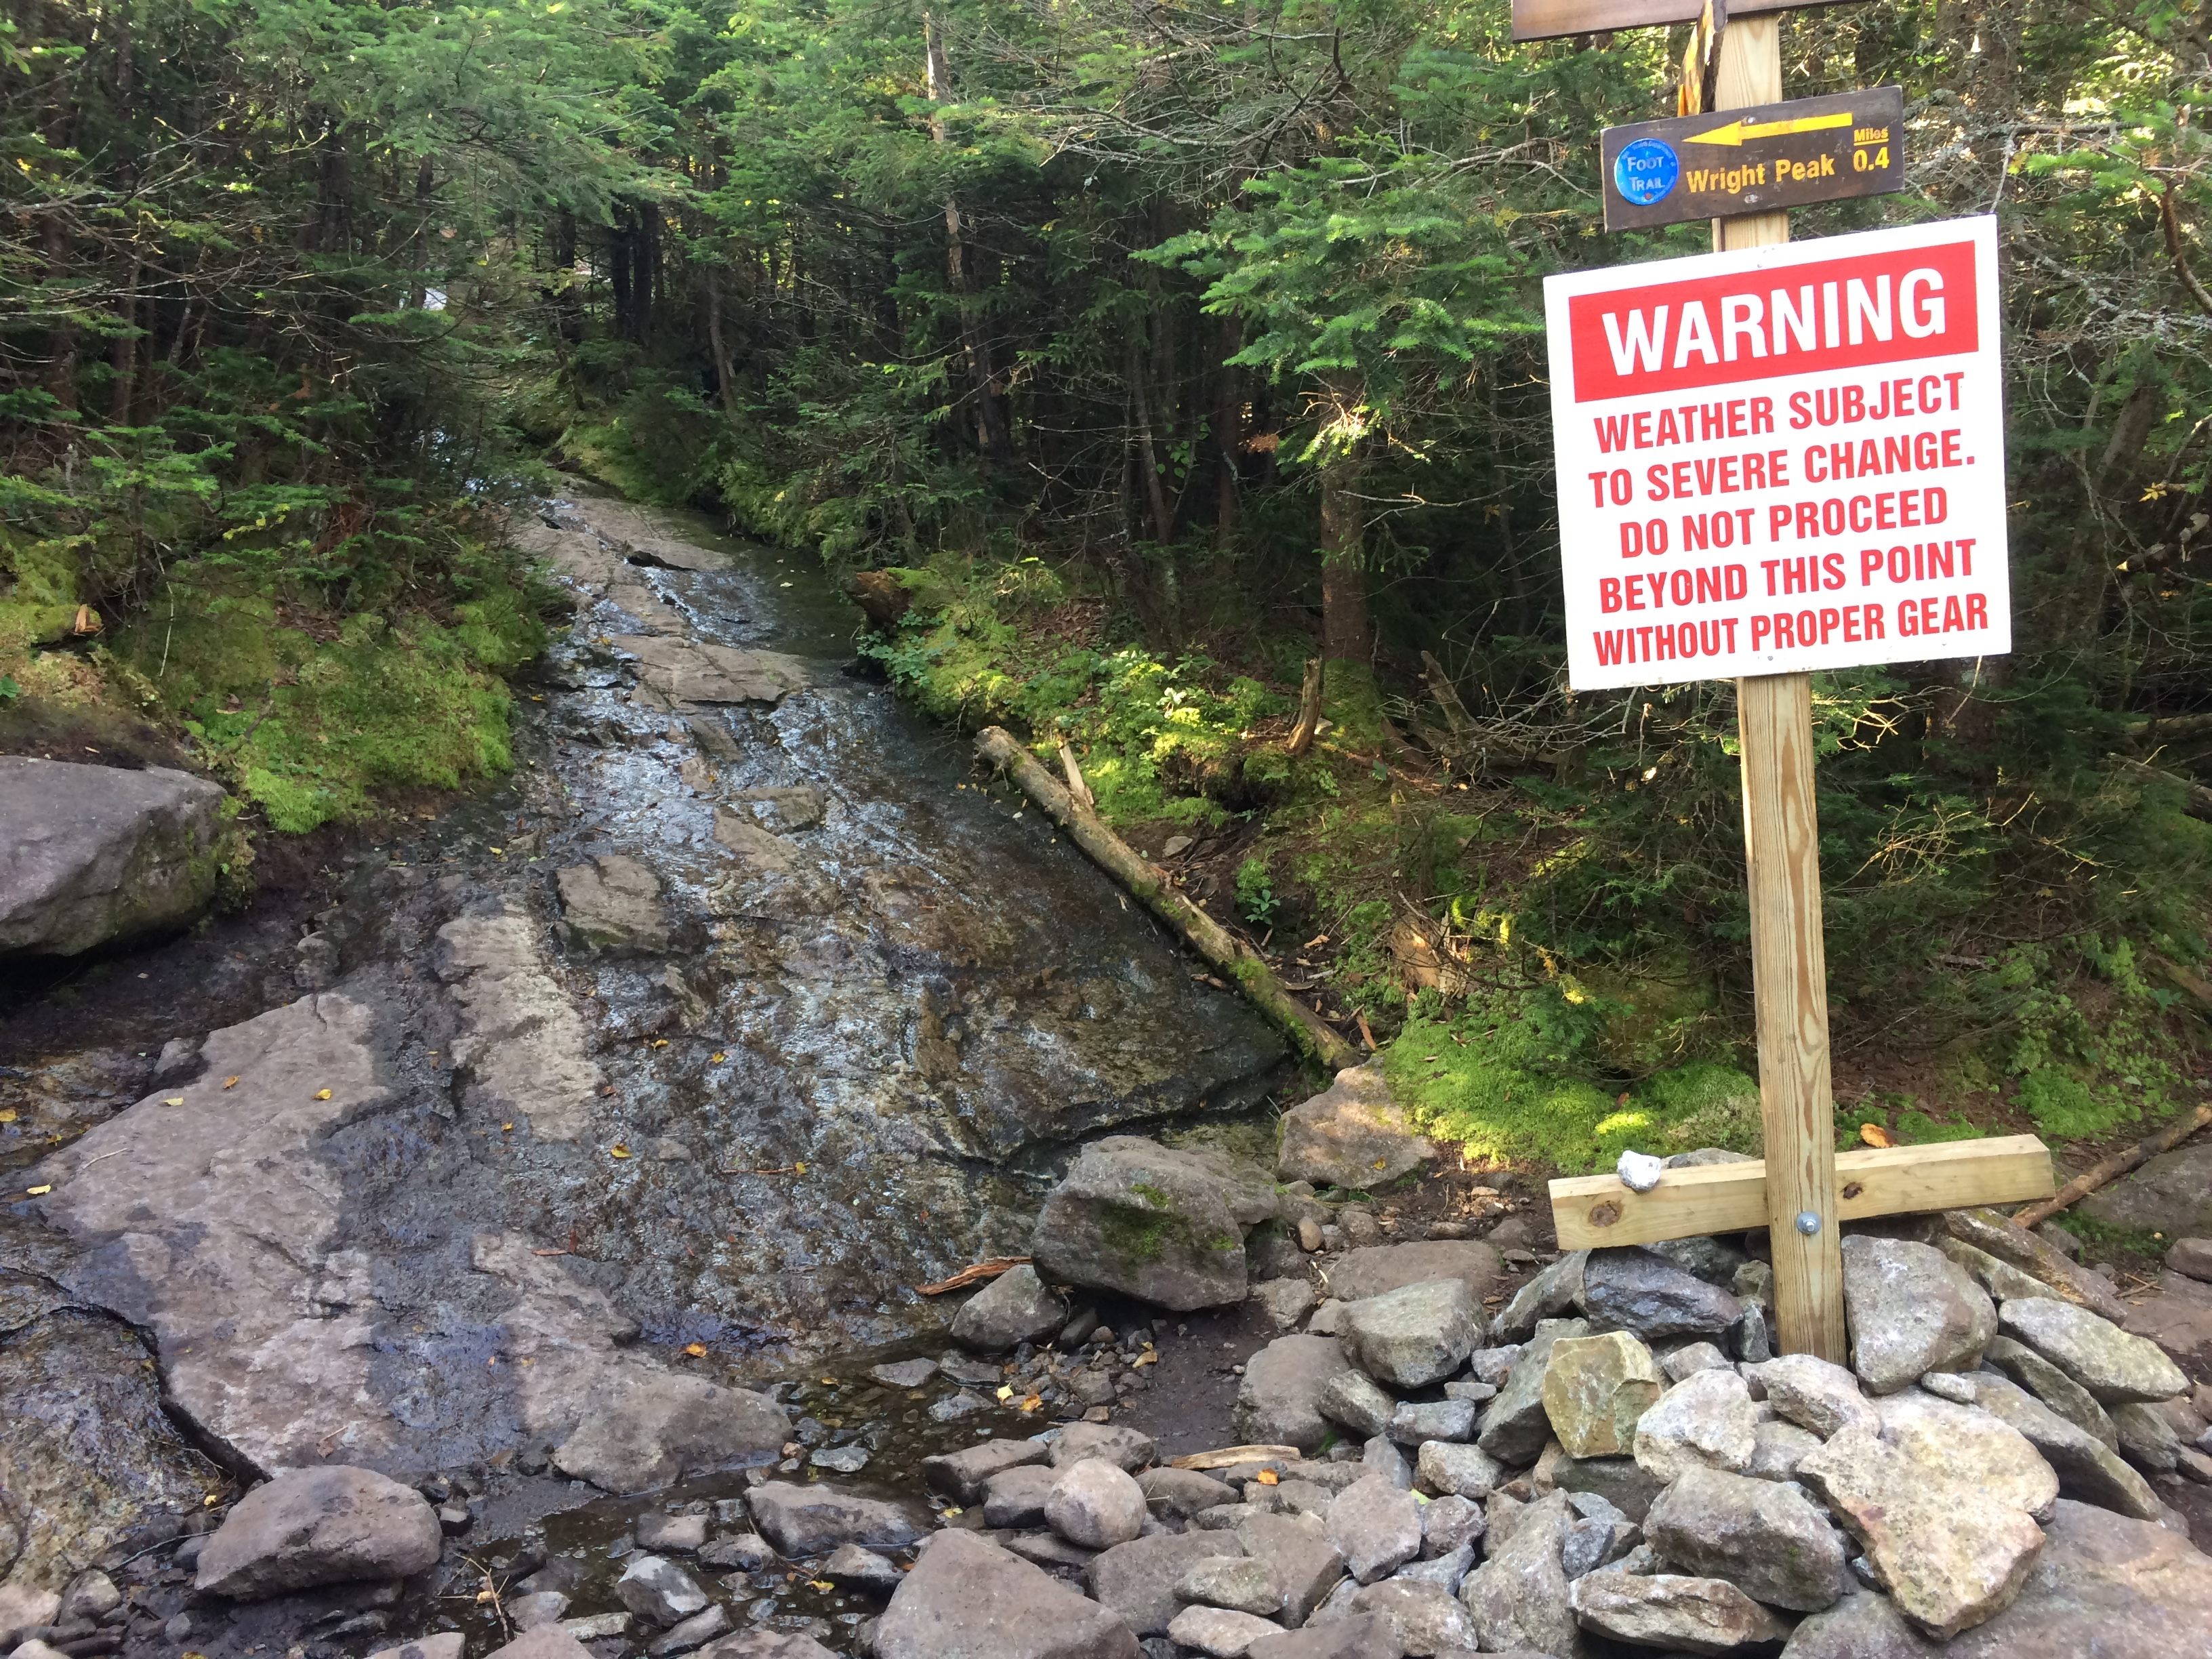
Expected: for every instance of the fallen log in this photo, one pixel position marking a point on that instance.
(1147, 883)
(2113, 1167)
(2196, 798)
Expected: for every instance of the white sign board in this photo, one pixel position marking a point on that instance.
(1782, 459)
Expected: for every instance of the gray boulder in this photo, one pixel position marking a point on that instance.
(328, 1525)
(1973, 1446)
(1352, 1399)
(1667, 1610)
(1416, 1422)
(1123, 1446)
(1017, 1496)
(2087, 1467)
(1952, 1555)
(545, 1642)
(1182, 1493)
(1445, 1468)
(1413, 1336)
(1514, 1425)
(2147, 1440)
(1621, 1481)
(2103, 1586)
(2172, 1193)
(1555, 1290)
(961, 1475)
(1517, 1598)
(1094, 1503)
(1137, 1580)
(1776, 1448)
(1705, 1420)
(969, 1599)
(93, 856)
(1376, 1269)
(1424, 1616)
(612, 906)
(1350, 1135)
(1911, 1310)
(1641, 1291)
(659, 1591)
(1764, 1537)
(814, 1519)
(1217, 1632)
(1296, 1548)
(2052, 1386)
(1012, 1309)
(1449, 1524)
(1864, 1624)
(1816, 1395)
(2098, 1354)
(1366, 1636)
(1376, 1526)
(1242, 1583)
(1278, 1401)
(1164, 1226)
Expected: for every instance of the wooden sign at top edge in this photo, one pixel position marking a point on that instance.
(1548, 20)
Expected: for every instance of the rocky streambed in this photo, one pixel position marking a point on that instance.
(517, 1255)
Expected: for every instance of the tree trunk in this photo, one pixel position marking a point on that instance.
(991, 434)
(1148, 460)
(647, 247)
(1228, 436)
(620, 267)
(726, 378)
(1346, 634)
(567, 313)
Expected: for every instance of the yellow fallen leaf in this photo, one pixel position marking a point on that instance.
(505, 1129)
(951, 1510)
(1033, 1403)
(619, 1151)
(322, 1094)
(40, 1192)
(1875, 1135)
(696, 1350)
(661, 1042)
(8, 1115)
(1007, 1391)
(716, 1058)
(1269, 1478)
(1147, 1357)
(175, 1100)
(798, 1169)
(496, 852)
(230, 1083)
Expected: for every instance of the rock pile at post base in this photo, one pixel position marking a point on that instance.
(1613, 1459)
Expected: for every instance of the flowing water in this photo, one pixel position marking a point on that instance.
(889, 1003)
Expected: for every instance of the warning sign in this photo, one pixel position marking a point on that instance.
(1782, 459)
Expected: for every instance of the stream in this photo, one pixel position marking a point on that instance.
(431, 1157)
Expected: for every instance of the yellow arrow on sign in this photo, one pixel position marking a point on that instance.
(1736, 133)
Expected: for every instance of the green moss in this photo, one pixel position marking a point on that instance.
(2067, 1108)
(1134, 1235)
(311, 730)
(1508, 1082)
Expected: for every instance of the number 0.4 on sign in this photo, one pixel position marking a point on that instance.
(1782, 459)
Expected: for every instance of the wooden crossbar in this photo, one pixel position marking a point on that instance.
(1593, 1211)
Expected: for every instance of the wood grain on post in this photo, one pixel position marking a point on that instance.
(1781, 844)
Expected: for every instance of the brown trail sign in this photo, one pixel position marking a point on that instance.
(1725, 391)
(1761, 159)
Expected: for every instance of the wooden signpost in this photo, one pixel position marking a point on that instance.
(1802, 1191)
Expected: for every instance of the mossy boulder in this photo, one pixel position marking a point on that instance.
(1165, 1225)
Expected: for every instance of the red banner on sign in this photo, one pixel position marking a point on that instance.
(1892, 306)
